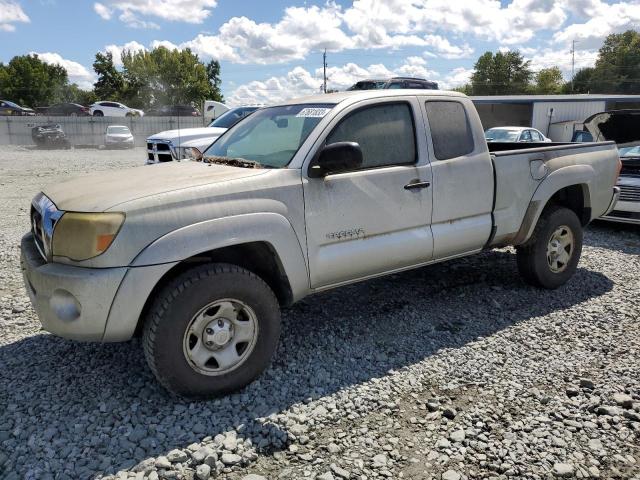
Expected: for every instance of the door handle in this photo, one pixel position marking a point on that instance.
(416, 184)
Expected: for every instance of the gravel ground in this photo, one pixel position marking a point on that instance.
(455, 371)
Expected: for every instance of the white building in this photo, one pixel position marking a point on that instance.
(557, 116)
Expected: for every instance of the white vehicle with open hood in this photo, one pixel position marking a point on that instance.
(176, 144)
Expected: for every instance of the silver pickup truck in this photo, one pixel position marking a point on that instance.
(315, 193)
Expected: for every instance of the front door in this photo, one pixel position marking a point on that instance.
(376, 219)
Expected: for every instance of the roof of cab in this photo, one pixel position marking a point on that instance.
(335, 98)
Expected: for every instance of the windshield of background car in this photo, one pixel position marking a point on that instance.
(501, 135)
(270, 136)
(118, 130)
(629, 152)
(11, 104)
(230, 118)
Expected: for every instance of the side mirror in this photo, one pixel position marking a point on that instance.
(335, 158)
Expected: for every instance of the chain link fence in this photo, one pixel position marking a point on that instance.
(90, 131)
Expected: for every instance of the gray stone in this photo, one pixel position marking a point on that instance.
(340, 472)
(177, 456)
(451, 475)
(623, 400)
(231, 459)
(457, 436)
(253, 476)
(587, 383)
(203, 471)
(162, 462)
(379, 460)
(564, 470)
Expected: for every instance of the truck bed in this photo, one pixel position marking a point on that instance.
(519, 169)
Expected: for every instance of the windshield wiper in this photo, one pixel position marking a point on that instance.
(234, 162)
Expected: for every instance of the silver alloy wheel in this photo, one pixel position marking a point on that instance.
(560, 249)
(220, 337)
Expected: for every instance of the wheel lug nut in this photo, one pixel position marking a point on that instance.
(220, 323)
(209, 331)
(208, 342)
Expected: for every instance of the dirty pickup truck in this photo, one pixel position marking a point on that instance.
(315, 193)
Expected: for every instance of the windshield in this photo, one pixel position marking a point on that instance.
(501, 135)
(629, 151)
(230, 118)
(118, 130)
(269, 137)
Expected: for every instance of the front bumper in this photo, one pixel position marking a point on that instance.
(72, 302)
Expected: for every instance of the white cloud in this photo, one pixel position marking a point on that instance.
(102, 10)
(602, 19)
(300, 82)
(77, 73)
(116, 50)
(132, 12)
(456, 78)
(11, 12)
(548, 58)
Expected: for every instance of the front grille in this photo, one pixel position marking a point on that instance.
(158, 151)
(37, 231)
(626, 215)
(629, 193)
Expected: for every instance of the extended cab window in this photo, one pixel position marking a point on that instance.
(385, 134)
(450, 130)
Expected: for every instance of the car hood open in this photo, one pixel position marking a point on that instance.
(102, 191)
(620, 126)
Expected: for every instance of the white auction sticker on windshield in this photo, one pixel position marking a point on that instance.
(313, 112)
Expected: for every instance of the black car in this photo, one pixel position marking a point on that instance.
(10, 108)
(64, 110)
(173, 111)
(395, 82)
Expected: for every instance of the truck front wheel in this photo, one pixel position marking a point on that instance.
(211, 331)
(550, 257)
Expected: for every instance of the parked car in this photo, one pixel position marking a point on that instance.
(395, 82)
(64, 109)
(173, 111)
(297, 198)
(515, 134)
(622, 127)
(50, 136)
(114, 109)
(10, 108)
(213, 109)
(118, 136)
(177, 144)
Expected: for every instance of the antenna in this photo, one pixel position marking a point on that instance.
(573, 62)
(324, 68)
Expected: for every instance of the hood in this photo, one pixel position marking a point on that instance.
(179, 136)
(620, 126)
(101, 191)
(200, 143)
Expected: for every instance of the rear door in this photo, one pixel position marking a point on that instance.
(463, 183)
(375, 219)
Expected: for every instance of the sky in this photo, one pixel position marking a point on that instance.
(271, 50)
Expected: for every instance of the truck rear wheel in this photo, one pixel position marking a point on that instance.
(550, 257)
(211, 331)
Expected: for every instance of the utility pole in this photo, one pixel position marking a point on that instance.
(573, 63)
(324, 68)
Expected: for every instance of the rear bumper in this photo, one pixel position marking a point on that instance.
(71, 302)
(624, 212)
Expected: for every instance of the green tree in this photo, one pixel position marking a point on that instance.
(164, 77)
(110, 83)
(213, 75)
(503, 73)
(549, 81)
(29, 81)
(617, 69)
(582, 82)
(74, 94)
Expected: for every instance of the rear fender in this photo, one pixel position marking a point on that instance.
(557, 180)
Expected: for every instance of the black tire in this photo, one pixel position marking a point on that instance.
(533, 264)
(172, 313)
(98, 113)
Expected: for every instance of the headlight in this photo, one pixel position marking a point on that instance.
(80, 236)
(181, 153)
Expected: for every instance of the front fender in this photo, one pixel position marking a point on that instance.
(202, 237)
(557, 180)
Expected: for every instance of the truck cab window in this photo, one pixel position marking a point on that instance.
(385, 134)
(450, 130)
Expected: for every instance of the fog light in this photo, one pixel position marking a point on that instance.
(65, 305)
